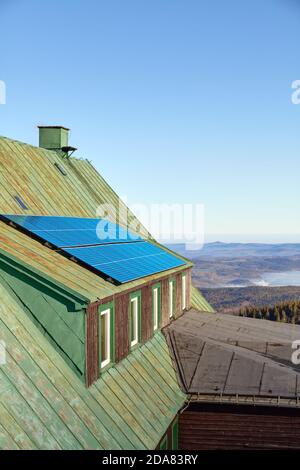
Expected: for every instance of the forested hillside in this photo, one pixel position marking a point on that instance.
(233, 299)
(288, 312)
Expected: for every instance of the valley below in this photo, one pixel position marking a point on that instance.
(236, 275)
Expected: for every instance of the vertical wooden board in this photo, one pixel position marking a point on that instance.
(188, 288)
(147, 321)
(165, 317)
(122, 326)
(178, 310)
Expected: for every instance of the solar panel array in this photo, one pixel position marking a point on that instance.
(99, 244)
(72, 231)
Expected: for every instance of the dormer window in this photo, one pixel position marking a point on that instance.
(156, 306)
(134, 320)
(106, 335)
(183, 280)
(172, 297)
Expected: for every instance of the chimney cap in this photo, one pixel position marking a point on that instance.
(54, 127)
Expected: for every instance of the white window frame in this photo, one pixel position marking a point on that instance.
(184, 292)
(155, 307)
(171, 299)
(107, 334)
(135, 302)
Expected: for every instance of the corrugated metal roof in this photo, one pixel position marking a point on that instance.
(44, 405)
(229, 355)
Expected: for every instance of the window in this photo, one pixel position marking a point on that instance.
(183, 291)
(156, 306)
(105, 338)
(106, 335)
(134, 320)
(172, 297)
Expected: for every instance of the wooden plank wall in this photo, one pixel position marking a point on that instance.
(122, 340)
(165, 318)
(238, 427)
(147, 317)
(122, 326)
(178, 309)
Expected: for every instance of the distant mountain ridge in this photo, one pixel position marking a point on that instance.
(237, 250)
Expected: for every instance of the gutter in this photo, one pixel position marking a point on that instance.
(254, 400)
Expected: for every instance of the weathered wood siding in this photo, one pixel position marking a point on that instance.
(121, 306)
(165, 318)
(188, 288)
(178, 310)
(208, 427)
(147, 319)
(122, 326)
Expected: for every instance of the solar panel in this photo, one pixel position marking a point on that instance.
(125, 262)
(72, 231)
(100, 245)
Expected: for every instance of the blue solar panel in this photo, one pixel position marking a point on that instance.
(99, 244)
(126, 261)
(72, 231)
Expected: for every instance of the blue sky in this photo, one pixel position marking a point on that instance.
(173, 100)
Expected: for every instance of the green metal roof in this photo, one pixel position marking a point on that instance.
(30, 173)
(199, 302)
(44, 405)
